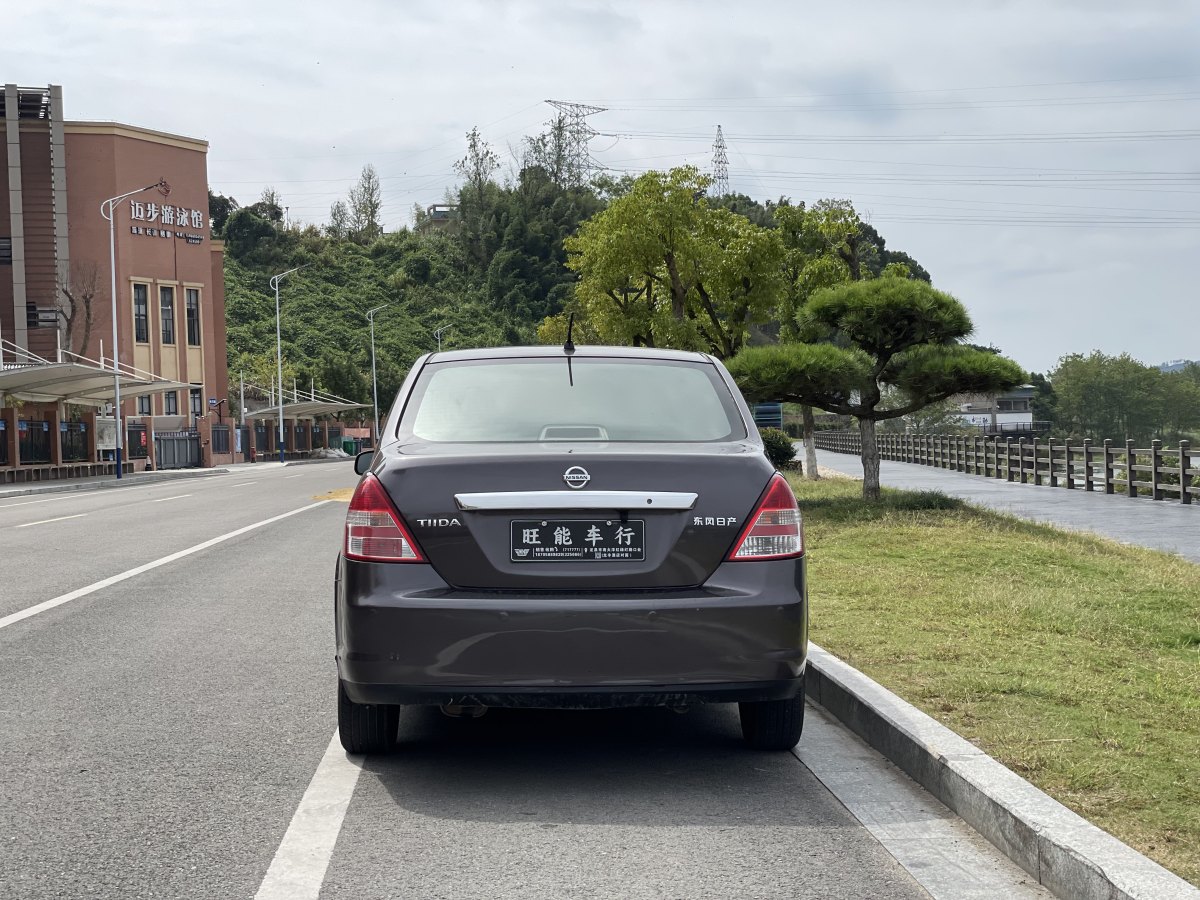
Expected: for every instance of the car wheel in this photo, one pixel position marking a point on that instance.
(366, 727)
(773, 724)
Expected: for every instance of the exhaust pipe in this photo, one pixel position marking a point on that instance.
(463, 710)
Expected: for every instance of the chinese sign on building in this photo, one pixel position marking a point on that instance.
(166, 221)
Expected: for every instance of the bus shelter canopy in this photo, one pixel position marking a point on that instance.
(306, 409)
(73, 382)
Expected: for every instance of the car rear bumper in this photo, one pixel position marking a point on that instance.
(405, 636)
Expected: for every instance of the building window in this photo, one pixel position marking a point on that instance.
(31, 316)
(5, 251)
(141, 313)
(1013, 405)
(171, 403)
(166, 302)
(143, 405)
(193, 317)
(195, 400)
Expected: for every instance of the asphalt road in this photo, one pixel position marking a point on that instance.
(167, 706)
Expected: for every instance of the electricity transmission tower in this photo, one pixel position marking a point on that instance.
(577, 132)
(720, 167)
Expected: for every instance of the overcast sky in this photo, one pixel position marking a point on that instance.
(1041, 160)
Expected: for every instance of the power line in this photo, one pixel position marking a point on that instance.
(934, 105)
(1066, 137)
(1184, 76)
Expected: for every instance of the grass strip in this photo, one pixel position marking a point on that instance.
(1073, 660)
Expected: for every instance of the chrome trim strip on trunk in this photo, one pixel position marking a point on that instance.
(528, 500)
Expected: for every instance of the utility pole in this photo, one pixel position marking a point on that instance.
(374, 382)
(108, 210)
(275, 279)
(578, 132)
(720, 167)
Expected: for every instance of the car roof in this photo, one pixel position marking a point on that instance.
(556, 351)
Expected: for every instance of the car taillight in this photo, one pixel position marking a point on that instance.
(374, 532)
(774, 530)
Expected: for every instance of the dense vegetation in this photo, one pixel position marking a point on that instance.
(1101, 396)
(513, 255)
(494, 268)
(487, 277)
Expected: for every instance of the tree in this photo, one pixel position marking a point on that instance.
(269, 206)
(550, 151)
(476, 168)
(878, 257)
(343, 376)
(814, 242)
(943, 417)
(1043, 401)
(1181, 405)
(658, 267)
(363, 207)
(261, 370)
(883, 333)
(339, 221)
(761, 214)
(220, 208)
(78, 292)
(1100, 396)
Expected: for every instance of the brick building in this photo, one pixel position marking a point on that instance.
(55, 270)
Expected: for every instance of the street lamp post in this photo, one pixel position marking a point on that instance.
(374, 383)
(108, 211)
(438, 334)
(275, 279)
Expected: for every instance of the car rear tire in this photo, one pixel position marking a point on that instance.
(773, 724)
(366, 727)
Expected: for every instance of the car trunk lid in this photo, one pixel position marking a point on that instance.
(506, 517)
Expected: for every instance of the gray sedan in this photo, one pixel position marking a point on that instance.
(566, 527)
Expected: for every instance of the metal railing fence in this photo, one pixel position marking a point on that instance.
(1158, 472)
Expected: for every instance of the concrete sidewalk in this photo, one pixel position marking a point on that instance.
(1159, 525)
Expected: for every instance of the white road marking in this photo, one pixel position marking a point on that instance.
(28, 502)
(243, 483)
(20, 615)
(165, 499)
(47, 521)
(298, 869)
(300, 475)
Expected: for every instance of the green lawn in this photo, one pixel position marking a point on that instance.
(1073, 660)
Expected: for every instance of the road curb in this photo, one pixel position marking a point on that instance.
(1068, 855)
(136, 478)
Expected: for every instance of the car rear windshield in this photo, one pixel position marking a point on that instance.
(595, 399)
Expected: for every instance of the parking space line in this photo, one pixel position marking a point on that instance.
(297, 870)
(48, 521)
(31, 611)
(165, 499)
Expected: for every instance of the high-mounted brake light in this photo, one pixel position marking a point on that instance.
(374, 532)
(774, 529)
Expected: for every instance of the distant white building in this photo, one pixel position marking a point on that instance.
(1010, 412)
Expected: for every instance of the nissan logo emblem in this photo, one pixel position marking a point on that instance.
(576, 477)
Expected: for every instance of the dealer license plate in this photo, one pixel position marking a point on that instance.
(578, 540)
